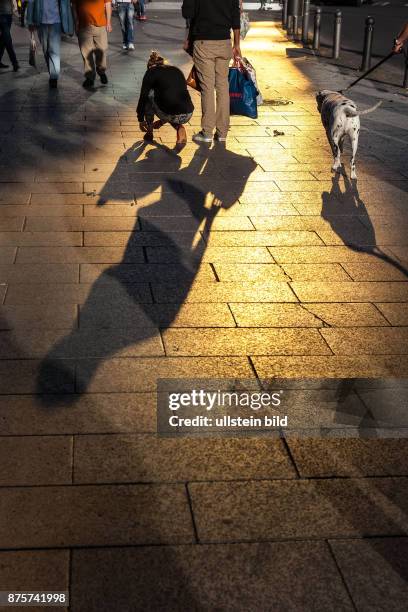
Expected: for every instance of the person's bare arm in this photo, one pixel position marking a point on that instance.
(401, 39)
(108, 11)
(236, 51)
(236, 27)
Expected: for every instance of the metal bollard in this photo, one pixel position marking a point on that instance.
(337, 35)
(285, 14)
(305, 21)
(316, 31)
(368, 44)
(289, 26)
(295, 27)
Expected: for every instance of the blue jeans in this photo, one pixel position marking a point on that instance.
(141, 8)
(6, 41)
(50, 37)
(126, 11)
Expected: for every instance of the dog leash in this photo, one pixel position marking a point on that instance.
(363, 76)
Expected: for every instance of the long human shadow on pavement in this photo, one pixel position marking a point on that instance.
(118, 315)
(349, 219)
(121, 291)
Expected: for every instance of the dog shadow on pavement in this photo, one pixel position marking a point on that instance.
(348, 217)
(131, 302)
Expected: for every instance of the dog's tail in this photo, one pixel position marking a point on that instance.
(350, 112)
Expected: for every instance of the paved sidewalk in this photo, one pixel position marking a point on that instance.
(122, 263)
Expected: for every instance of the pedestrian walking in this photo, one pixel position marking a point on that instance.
(141, 10)
(93, 21)
(51, 18)
(164, 94)
(126, 12)
(210, 40)
(6, 41)
(401, 39)
(22, 7)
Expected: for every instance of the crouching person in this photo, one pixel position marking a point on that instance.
(164, 94)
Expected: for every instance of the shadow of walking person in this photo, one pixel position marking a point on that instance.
(121, 315)
(348, 217)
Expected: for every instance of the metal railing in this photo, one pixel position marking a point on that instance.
(291, 24)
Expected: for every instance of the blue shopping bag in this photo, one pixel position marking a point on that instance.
(243, 93)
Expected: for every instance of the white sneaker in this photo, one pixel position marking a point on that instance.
(131, 47)
(201, 137)
(124, 47)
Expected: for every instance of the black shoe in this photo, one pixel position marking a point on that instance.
(104, 78)
(88, 84)
(53, 83)
(3, 65)
(16, 68)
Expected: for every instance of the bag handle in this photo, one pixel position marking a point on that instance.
(238, 63)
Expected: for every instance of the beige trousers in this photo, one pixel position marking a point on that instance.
(211, 59)
(93, 43)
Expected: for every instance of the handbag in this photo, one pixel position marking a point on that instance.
(192, 79)
(245, 24)
(32, 54)
(252, 75)
(242, 91)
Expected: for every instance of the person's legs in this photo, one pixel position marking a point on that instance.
(54, 50)
(86, 46)
(100, 41)
(141, 9)
(43, 35)
(222, 62)
(178, 122)
(130, 13)
(6, 40)
(204, 61)
(23, 13)
(2, 42)
(122, 13)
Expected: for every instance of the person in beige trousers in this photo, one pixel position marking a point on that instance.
(92, 23)
(211, 22)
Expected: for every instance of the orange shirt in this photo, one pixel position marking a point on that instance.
(91, 12)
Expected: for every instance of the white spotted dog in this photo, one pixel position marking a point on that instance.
(341, 118)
